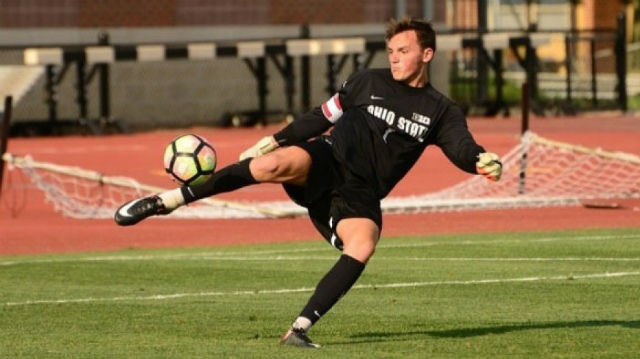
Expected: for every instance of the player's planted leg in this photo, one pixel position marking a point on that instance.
(360, 237)
(297, 337)
(333, 286)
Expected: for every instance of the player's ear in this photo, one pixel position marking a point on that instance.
(427, 55)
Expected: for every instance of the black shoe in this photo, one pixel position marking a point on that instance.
(298, 338)
(135, 211)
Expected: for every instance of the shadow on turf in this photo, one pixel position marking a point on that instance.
(502, 329)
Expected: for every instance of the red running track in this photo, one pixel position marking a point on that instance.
(28, 225)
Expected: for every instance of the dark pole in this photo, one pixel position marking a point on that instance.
(531, 64)
(331, 75)
(570, 40)
(594, 73)
(483, 69)
(51, 97)
(262, 89)
(525, 108)
(105, 102)
(305, 73)
(621, 61)
(497, 55)
(289, 83)
(4, 135)
(81, 88)
(567, 63)
(524, 129)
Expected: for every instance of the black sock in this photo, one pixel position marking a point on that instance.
(335, 284)
(228, 179)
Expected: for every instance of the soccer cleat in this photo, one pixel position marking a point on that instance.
(135, 211)
(298, 338)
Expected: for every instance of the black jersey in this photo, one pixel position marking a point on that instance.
(382, 126)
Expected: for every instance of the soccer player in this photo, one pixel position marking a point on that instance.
(382, 119)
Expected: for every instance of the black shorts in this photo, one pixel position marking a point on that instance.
(332, 193)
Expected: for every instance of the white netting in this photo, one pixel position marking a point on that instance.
(79, 193)
(537, 173)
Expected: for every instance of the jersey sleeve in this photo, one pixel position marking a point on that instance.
(321, 118)
(351, 92)
(348, 96)
(456, 141)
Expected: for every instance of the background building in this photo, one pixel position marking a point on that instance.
(180, 93)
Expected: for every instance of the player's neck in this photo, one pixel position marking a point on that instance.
(420, 80)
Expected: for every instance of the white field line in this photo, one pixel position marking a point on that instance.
(249, 255)
(307, 290)
(520, 259)
(333, 258)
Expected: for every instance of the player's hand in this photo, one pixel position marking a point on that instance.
(489, 165)
(262, 147)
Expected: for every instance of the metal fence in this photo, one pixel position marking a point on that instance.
(591, 74)
(230, 90)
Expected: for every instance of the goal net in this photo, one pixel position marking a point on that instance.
(537, 172)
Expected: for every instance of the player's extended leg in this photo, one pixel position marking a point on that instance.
(287, 165)
(359, 237)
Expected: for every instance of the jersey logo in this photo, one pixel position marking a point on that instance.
(386, 133)
(374, 97)
(416, 127)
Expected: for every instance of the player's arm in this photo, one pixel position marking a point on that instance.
(307, 126)
(461, 149)
(310, 124)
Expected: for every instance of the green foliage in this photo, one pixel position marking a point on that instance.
(634, 103)
(535, 295)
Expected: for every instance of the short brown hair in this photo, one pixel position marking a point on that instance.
(423, 29)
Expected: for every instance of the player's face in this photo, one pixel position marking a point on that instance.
(407, 59)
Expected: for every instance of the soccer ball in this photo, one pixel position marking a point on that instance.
(190, 160)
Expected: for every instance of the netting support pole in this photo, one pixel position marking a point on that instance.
(621, 61)
(525, 127)
(104, 86)
(305, 73)
(4, 135)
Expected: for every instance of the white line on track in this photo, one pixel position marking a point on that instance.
(128, 148)
(306, 290)
(49, 150)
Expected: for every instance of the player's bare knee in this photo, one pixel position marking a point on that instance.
(368, 248)
(266, 168)
(360, 237)
(361, 250)
(289, 165)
